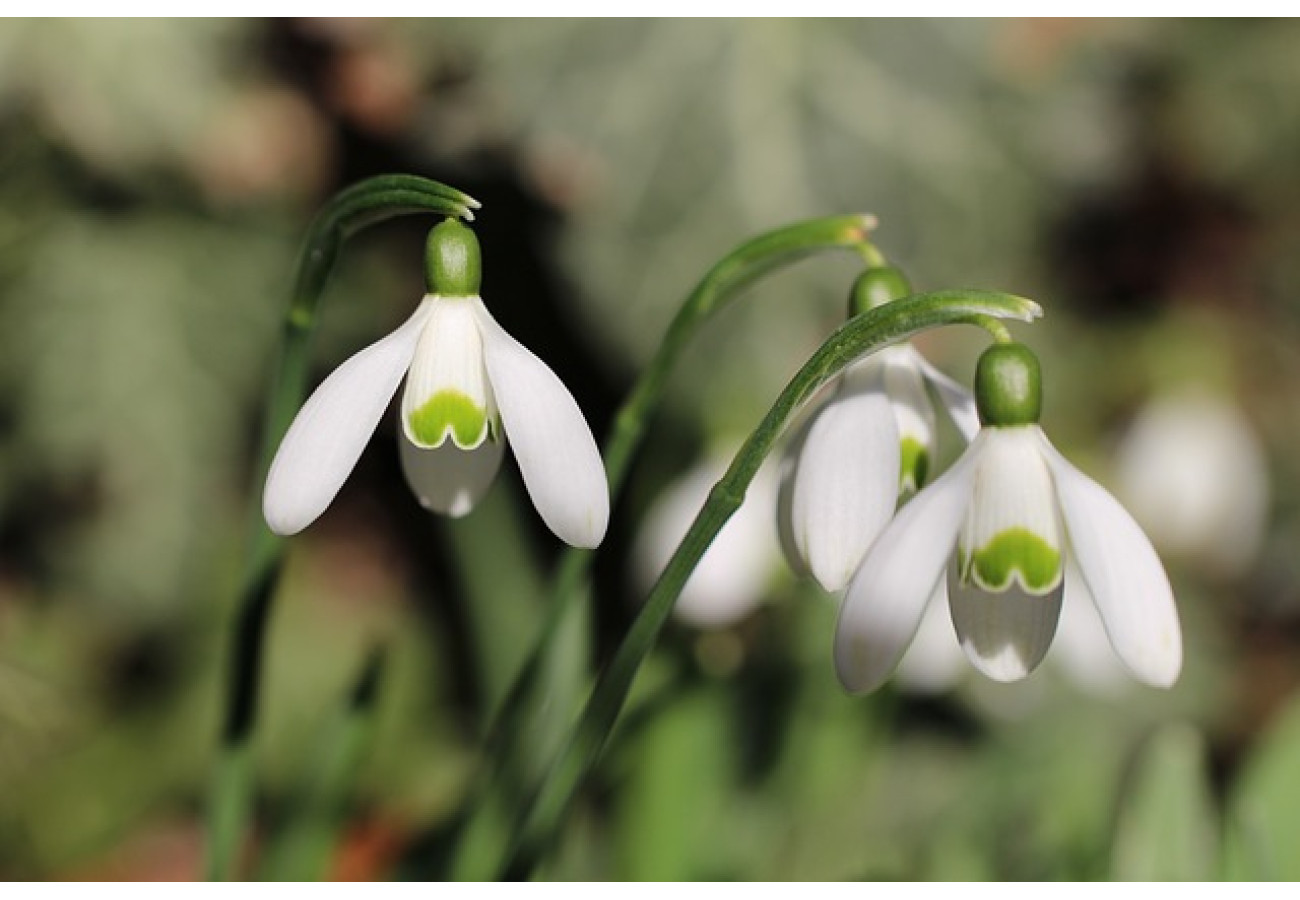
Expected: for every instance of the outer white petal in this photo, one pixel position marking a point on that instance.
(1123, 573)
(959, 402)
(844, 485)
(887, 596)
(447, 479)
(333, 426)
(557, 455)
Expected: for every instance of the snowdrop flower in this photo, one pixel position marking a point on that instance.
(470, 388)
(1003, 522)
(731, 578)
(1192, 471)
(870, 442)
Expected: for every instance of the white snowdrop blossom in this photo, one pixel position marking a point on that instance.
(731, 578)
(1193, 472)
(870, 443)
(470, 389)
(1003, 523)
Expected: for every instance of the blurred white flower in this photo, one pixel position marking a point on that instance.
(733, 575)
(869, 443)
(1192, 471)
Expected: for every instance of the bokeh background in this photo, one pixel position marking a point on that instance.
(1139, 178)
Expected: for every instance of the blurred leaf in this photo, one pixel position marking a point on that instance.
(1264, 805)
(134, 381)
(1167, 828)
(673, 804)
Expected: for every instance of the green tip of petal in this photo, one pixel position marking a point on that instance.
(1016, 553)
(449, 413)
(915, 458)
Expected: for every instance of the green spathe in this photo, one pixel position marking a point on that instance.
(449, 412)
(1014, 553)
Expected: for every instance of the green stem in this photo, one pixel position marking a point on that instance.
(873, 329)
(527, 729)
(351, 210)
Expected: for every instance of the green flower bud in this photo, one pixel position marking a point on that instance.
(452, 262)
(876, 286)
(1008, 386)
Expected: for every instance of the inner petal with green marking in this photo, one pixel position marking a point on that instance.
(450, 413)
(1016, 554)
(447, 395)
(915, 458)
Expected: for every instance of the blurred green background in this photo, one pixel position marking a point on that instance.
(1138, 178)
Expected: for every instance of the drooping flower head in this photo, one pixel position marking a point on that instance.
(470, 389)
(1002, 523)
(869, 443)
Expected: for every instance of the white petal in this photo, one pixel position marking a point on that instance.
(447, 479)
(959, 402)
(557, 455)
(887, 596)
(1005, 633)
(844, 485)
(785, 492)
(332, 428)
(1122, 572)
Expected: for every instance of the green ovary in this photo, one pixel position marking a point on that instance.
(915, 458)
(1016, 550)
(449, 412)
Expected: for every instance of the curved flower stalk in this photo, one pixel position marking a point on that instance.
(1003, 522)
(730, 580)
(866, 447)
(470, 388)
